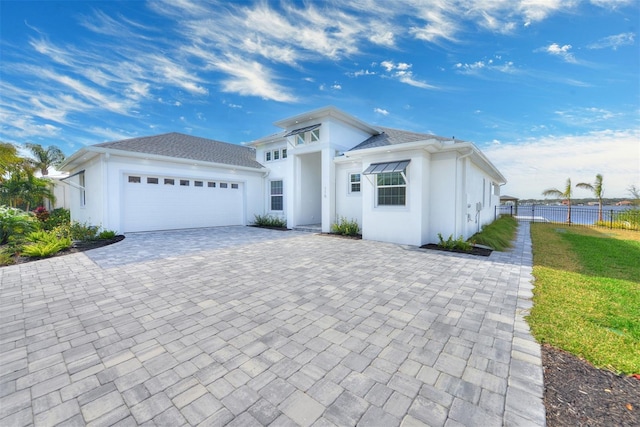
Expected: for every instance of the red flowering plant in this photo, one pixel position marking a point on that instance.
(41, 213)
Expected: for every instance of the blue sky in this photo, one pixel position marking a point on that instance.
(548, 89)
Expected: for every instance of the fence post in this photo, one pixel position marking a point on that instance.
(611, 220)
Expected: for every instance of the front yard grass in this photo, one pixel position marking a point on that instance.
(587, 294)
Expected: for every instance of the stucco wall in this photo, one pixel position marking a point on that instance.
(92, 212)
(105, 180)
(348, 204)
(398, 224)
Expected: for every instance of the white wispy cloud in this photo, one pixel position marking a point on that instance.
(475, 68)
(585, 116)
(381, 111)
(534, 165)
(563, 51)
(250, 78)
(613, 42)
(402, 72)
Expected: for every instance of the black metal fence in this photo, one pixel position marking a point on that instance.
(622, 217)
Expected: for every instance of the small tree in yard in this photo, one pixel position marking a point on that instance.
(565, 195)
(597, 190)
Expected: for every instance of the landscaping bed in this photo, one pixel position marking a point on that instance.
(80, 246)
(578, 394)
(475, 250)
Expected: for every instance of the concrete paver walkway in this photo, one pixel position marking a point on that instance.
(242, 326)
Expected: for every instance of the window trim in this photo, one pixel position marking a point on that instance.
(83, 192)
(351, 183)
(274, 196)
(378, 187)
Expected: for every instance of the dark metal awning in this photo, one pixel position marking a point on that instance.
(386, 167)
(302, 130)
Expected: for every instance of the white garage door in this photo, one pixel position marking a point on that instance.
(168, 203)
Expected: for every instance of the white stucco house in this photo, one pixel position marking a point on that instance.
(400, 186)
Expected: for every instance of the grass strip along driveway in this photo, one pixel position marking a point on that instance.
(587, 294)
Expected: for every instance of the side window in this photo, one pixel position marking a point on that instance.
(354, 183)
(391, 189)
(284, 153)
(267, 156)
(83, 192)
(276, 154)
(276, 194)
(315, 135)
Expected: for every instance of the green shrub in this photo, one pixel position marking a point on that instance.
(458, 244)
(6, 258)
(15, 223)
(44, 249)
(106, 234)
(82, 231)
(346, 227)
(57, 217)
(497, 235)
(269, 221)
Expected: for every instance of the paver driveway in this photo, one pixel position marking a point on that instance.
(247, 326)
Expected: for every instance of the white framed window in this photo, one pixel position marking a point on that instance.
(184, 182)
(211, 184)
(276, 154)
(224, 185)
(300, 139)
(151, 180)
(391, 189)
(315, 135)
(169, 181)
(198, 183)
(276, 196)
(234, 186)
(83, 191)
(354, 182)
(284, 153)
(267, 156)
(135, 179)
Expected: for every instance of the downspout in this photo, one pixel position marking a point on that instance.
(105, 202)
(458, 197)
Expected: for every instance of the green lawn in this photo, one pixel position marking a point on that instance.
(587, 294)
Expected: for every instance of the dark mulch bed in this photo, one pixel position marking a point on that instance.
(271, 228)
(342, 236)
(578, 394)
(476, 250)
(77, 247)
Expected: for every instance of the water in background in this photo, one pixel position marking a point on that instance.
(580, 215)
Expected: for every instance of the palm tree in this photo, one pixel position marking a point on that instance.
(9, 159)
(45, 157)
(597, 190)
(566, 195)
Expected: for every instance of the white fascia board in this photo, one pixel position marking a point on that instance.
(480, 160)
(146, 156)
(329, 111)
(431, 145)
(267, 139)
(80, 156)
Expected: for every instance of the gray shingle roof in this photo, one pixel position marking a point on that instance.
(391, 136)
(188, 147)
